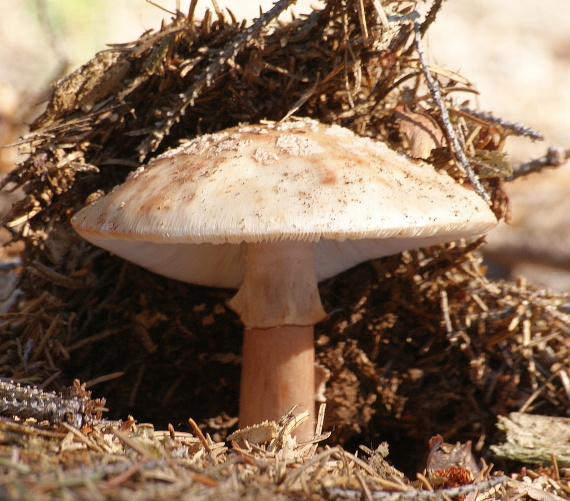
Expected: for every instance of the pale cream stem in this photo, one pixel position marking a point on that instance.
(280, 286)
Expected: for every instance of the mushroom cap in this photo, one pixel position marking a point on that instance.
(190, 212)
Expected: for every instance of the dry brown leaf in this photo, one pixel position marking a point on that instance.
(421, 129)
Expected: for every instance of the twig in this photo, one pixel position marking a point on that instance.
(536, 394)
(517, 128)
(448, 128)
(132, 443)
(445, 310)
(338, 492)
(318, 429)
(555, 157)
(293, 475)
(365, 489)
(40, 269)
(88, 441)
(29, 402)
(430, 17)
(302, 100)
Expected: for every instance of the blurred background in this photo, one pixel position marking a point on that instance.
(517, 52)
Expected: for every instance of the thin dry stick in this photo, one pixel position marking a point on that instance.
(425, 482)
(565, 380)
(536, 394)
(430, 17)
(516, 128)
(448, 128)
(132, 443)
(365, 489)
(555, 157)
(199, 434)
(445, 310)
(381, 14)
(555, 469)
(451, 492)
(318, 430)
(356, 460)
(53, 276)
(89, 442)
(122, 477)
(293, 475)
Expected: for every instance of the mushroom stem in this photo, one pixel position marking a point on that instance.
(279, 287)
(278, 371)
(278, 303)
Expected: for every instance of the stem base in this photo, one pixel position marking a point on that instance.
(278, 371)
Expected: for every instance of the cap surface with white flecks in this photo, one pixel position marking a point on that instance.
(190, 212)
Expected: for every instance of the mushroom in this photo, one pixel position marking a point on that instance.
(272, 209)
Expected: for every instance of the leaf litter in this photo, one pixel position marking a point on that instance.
(415, 345)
